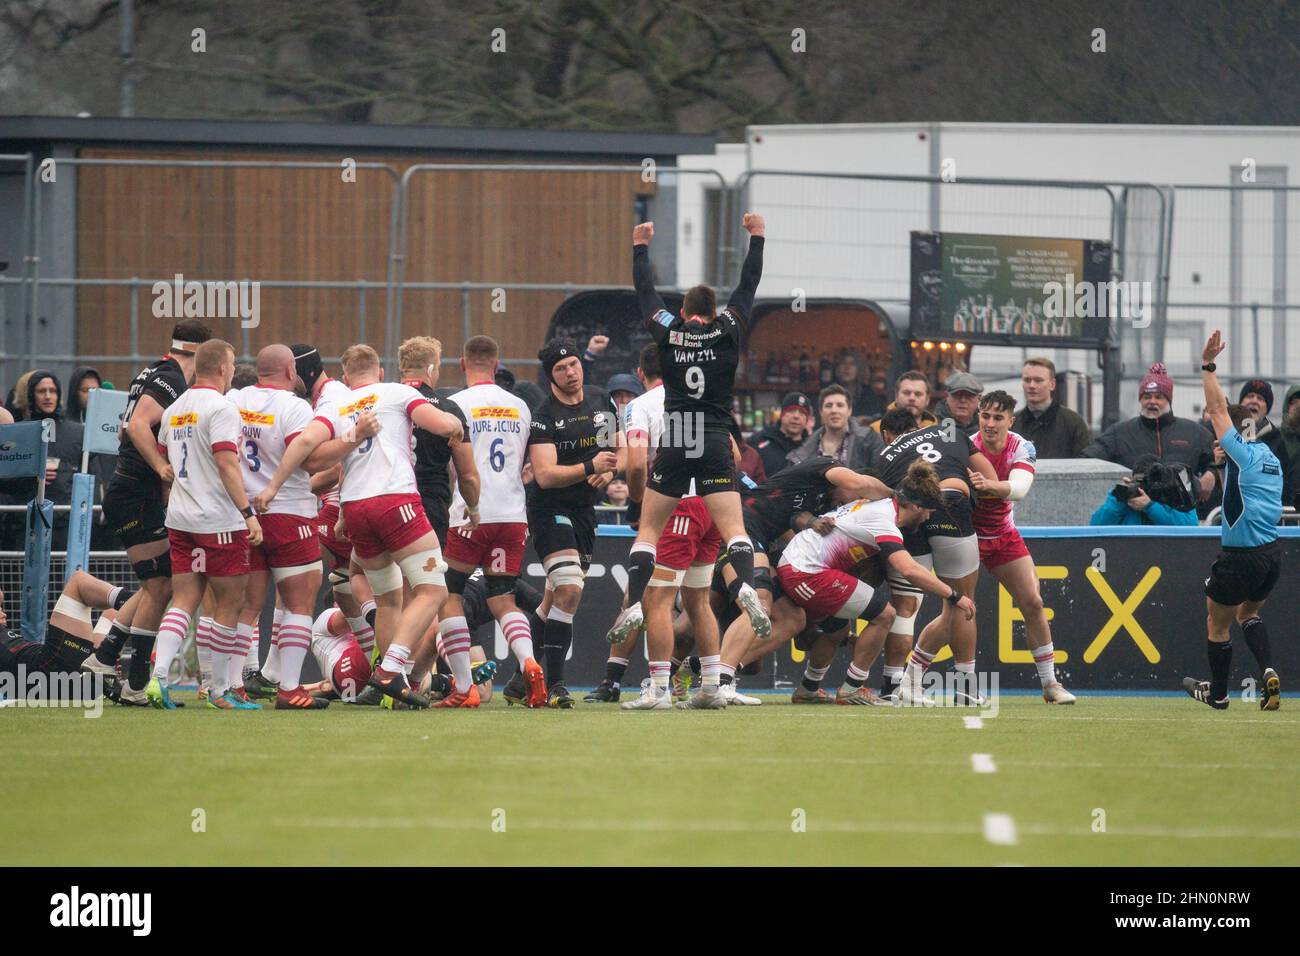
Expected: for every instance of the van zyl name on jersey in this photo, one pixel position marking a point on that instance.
(694, 356)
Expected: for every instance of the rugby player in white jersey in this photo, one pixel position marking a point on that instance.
(209, 523)
(391, 536)
(272, 417)
(499, 428)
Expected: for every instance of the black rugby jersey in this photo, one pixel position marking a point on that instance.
(578, 432)
(433, 452)
(164, 382)
(951, 459)
(699, 361)
(801, 487)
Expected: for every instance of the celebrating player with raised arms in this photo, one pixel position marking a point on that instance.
(1002, 550)
(500, 426)
(572, 450)
(391, 536)
(699, 350)
(209, 524)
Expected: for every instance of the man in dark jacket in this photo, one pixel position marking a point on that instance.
(963, 402)
(775, 442)
(44, 401)
(1056, 431)
(1290, 446)
(84, 379)
(839, 436)
(1155, 431)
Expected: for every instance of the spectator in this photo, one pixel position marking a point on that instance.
(838, 435)
(1155, 494)
(875, 399)
(1290, 453)
(775, 442)
(911, 391)
(622, 389)
(963, 402)
(1056, 431)
(848, 374)
(83, 380)
(1155, 431)
(44, 399)
(245, 376)
(17, 403)
(616, 493)
(1257, 398)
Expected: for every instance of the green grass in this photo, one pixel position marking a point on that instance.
(1179, 784)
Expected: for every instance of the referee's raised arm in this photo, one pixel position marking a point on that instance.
(1216, 403)
(643, 273)
(742, 297)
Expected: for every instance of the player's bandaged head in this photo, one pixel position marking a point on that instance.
(554, 352)
(188, 335)
(211, 356)
(307, 363)
(920, 486)
(416, 355)
(701, 301)
(359, 359)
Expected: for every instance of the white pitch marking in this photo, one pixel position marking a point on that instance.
(974, 723)
(1000, 829)
(983, 763)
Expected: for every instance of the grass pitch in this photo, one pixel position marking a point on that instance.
(1171, 782)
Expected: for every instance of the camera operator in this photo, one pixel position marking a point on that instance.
(1157, 493)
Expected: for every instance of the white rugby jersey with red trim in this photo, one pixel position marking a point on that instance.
(644, 417)
(270, 419)
(193, 429)
(862, 529)
(382, 464)
(499, 426)
(332, 391)
(994, 516)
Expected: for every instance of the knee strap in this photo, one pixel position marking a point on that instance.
(564, 571)
(385, 579)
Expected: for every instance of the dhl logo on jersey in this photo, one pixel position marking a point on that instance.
(495, 411)
(360, 405)
(858, 553)
(189, 418)
(256, 418)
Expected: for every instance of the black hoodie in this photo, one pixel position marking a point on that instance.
(72, 407)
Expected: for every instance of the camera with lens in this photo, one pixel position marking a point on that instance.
(1168, 483)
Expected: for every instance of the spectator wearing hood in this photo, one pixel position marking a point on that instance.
(44, 400)
(1289, 453)
(1256, 397)
(83, 379)
(100, 465)
(622, 388)
(1156, 431)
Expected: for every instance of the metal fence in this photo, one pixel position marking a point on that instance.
(111, 566)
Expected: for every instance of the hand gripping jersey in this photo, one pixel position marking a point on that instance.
(194, 428)
(801, 487)
(164, 382)
(643, 417)
(499, 425)
(951, 459)
(270, 419)
(578, 432)
(993, 515)
(862, 529)
(382, 464)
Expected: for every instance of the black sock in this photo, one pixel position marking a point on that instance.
(614, 672)
(122, 597)
(537, 626)
(141, 649)
(1256, 634)
(750, 669)
(441, 684)
(674, 665)
(558, 636)
(809, 684)
(1220, 664)
(740, 555)
(370, 617)
(852, 682)
(640, 565)
(694, 663)
(886, 686)
(110, 648)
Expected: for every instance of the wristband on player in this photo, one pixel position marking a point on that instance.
(589, 466)
(954, 598)
(246, 511)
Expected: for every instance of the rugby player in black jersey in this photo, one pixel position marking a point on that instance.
(133, 506)
(572, 448)
(945, 542)
(699, 350)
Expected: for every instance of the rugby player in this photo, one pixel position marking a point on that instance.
(1002, 550)
(1247, 567)
(133, 505)
(945, 542)
(69, 637)
(209, 524)
(497, 440)
(391, 537)
(814, 568)
(699, 350)
(572, 449)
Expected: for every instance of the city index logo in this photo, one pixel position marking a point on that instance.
(360, 405)
(188, 418)
(495, 411)
(256, 418)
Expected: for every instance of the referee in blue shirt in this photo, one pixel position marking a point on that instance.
(1247, 566)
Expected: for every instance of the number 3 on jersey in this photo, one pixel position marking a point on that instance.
(695, 380)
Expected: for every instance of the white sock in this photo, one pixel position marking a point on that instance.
(223, 648)
(1045, 663)
(364, 633)
(252, 655)
(455, 645)
(659, 671)
(519, 636)
(710, 668)
(203, 646)
(236, 664)
(171, 635)
(395, 660)
(271, 669)
(113, 592)
(895, 674)
(295, 643)
(815, 674)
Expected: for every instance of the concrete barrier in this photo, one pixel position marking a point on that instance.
(1067, 491)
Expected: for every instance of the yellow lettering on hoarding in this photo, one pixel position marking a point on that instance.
(1008, 614)
(1122, 615)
